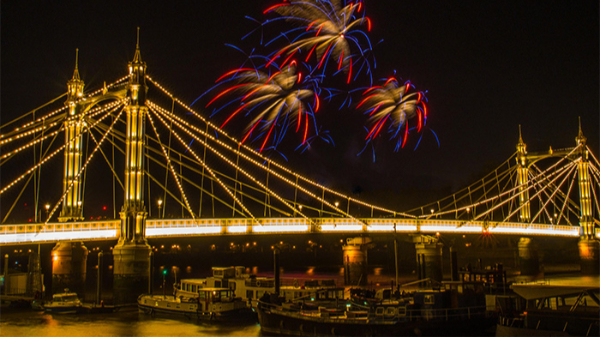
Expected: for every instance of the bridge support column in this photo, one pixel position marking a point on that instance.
(131, 269)
(355, 260)
(529, 263)
(132, 252)
(429, 257)
(69, 261)
(589, 252)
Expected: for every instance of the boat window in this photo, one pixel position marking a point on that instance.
(249, 294)
(390, 311)
(429, 299)
(232, 285)
(401, 311)
(202, 295)
(217, 283)
(379, 311)
(194, 288)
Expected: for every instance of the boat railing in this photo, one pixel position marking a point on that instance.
(440, 314)
(391, 313)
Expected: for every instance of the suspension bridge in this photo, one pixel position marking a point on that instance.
(149, 143)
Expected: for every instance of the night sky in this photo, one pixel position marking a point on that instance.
(488, 66)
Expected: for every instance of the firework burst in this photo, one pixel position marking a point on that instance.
(275, 101)
(394, 105)
(327, 31)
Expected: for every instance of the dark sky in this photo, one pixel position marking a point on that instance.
(488, 66)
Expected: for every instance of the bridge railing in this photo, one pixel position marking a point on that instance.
(107, 229)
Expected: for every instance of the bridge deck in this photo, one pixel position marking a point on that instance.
(158, 228)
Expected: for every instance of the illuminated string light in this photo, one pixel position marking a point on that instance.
(229, 162)
(86, 162)
(263, 158)
(171, 166)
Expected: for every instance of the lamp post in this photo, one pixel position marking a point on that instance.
(47, 207)
(160, 202)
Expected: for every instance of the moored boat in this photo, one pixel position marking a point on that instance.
(205, 304)
(451, 310)
(64, 303)
(550, 310)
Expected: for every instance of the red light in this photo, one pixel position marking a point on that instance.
(104, 207)
(30, 220)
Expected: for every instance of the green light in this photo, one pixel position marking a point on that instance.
(164, 272)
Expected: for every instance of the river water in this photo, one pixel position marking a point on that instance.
(131, 323)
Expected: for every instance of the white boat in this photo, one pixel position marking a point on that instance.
(205, 304)
(64, 303)
(249, 287)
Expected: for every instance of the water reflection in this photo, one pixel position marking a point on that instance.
(126, 323)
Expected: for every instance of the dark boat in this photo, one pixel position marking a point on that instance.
(455, 309)
(550, 310)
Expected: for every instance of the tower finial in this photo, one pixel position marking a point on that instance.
(137, 58)
(76, 72)
(520, 138)
(580, 138)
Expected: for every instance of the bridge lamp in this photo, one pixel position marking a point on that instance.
(300, 207)
(47, 206)
(160, 202)
(337, 204)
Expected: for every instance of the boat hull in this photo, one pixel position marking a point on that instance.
(63, 309)
(281, 323)
(191, 310)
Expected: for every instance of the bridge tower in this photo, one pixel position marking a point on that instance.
(522, 179)
(69, 258)
(527, 249)
(589, 248)
(72, 205)
(132, 252)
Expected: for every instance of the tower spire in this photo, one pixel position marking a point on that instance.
(74, 86)
(76, 72)
(137, 58)
(520, 138)
(580, 138)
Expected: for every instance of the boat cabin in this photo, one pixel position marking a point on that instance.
(65, 297)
